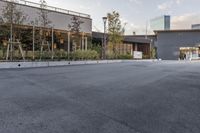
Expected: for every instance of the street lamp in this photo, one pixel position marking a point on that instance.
(104, 38)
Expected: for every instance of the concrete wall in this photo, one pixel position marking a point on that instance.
(59, 20)
(169, 42)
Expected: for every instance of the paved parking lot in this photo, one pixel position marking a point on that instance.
(138, 97)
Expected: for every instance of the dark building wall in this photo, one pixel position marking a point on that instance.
(169, 42)
(59, 20)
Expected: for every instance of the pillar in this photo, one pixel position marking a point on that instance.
(82, 42)
(33, 43)
(131, 49)
(52, 44)
(86, 43)
(136, 47)
(125, 48)
(68, 44)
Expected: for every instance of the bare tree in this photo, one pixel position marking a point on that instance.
(13, 15)
(75, 28)
(43, 14)
(1, 20)
(44, 23)
(115, 30)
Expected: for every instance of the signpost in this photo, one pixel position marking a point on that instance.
(137, 54)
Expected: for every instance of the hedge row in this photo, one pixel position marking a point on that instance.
(84, 55)
(57, 55)
(63, 55)
(119, 56)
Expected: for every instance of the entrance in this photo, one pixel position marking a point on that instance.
(189, 53)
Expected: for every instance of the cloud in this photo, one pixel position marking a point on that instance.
(178, 1)
(124, 21)
(165, 6)
(137, 28)
(168, 5)
(84, 7)
(136, 1)
(185, 21)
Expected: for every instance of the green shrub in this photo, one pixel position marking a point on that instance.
(111, 56)
(146, 56)
(84, 55)
(28, 55)
(60, 54)
(126, 56)
(1, 55)
(37, 55)
(45, 55)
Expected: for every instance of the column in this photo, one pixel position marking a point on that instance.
(52, 44)
(33, 54)
(125, 48)
(136, 47)
(82, 43)
(68, 43)
(86, 43)
(131, 49)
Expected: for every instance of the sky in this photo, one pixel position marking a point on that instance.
(136, 13)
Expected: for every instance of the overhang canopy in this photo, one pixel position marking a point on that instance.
(126, 39)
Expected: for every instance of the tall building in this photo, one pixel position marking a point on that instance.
(160, 23)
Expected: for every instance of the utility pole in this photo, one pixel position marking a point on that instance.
(11, 32)
(146, 30)
(34, 42)
(104, 38)
(52, 43)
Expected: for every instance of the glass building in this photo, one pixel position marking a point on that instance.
(160, 23)
(44, 28)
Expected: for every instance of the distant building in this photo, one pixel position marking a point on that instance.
(195, 26)
(160, 23)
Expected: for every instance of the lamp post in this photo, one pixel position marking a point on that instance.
(104, 38)
(33, 42)
(52, 42)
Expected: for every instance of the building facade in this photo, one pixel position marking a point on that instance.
(129, 45)
(59, 18)
(195, 26)
(178, 44)
(59, 27)
(160, 23)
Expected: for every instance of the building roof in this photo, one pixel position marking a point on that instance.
(178, 30)
(51, 8)
(133, 39)
(127, 39)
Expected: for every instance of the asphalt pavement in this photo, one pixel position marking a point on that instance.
(137, 97)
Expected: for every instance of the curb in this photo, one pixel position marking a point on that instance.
(14, 65)
(17, 65)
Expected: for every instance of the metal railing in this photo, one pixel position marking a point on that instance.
(33, 4)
